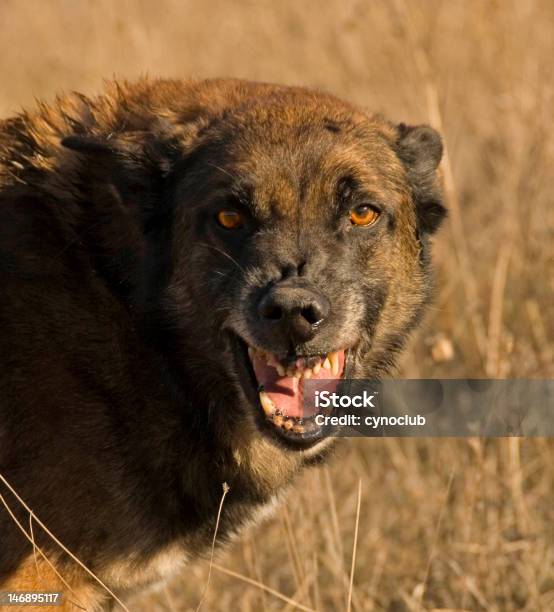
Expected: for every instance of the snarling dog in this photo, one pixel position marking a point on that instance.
(176, 259)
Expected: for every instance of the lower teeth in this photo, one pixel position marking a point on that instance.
(267, 405)
(278, 419)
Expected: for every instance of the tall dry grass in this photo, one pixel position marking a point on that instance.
(443, 524)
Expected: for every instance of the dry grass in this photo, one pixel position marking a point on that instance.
(443, 525)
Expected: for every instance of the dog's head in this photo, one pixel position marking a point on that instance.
(284, 239)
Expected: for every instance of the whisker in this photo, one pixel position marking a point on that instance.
(211, 246)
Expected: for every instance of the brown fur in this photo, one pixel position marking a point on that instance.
(121, 415)
(37, 576)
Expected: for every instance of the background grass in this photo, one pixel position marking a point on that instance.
(444, 524)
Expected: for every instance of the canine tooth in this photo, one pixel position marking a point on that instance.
(250, 352)
(307, 373)
(326, 364)
(334, 358)
(267, 404)
(316, 369)
(280, 369)
(288, 424)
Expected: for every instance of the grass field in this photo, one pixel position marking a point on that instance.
(442, 524)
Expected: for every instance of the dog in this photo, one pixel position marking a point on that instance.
(176, 259)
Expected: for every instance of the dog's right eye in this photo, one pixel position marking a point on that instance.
(230, 219)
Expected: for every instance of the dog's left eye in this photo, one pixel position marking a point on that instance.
(364, 215)
(230, 219)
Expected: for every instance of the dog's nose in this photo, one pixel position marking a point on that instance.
(296, 311)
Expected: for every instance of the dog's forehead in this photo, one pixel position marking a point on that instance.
(294, 160)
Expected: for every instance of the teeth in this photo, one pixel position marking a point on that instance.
(267, 404)
(299, 368)
(280, 420)
(335, 364)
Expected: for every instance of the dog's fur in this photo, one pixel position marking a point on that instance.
(121, 409)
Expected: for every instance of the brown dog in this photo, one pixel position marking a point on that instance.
(176, 258)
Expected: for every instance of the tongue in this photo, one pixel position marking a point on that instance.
(287, 393)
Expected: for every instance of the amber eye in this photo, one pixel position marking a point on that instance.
(230, 219)
(363, 215)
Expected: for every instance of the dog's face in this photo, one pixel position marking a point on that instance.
(301, 247)
(298, 249)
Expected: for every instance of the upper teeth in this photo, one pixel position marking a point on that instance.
(334, 359)
(299, 368)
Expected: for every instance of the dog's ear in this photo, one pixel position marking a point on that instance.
(123, 183)
(135, 162)
(420, 149)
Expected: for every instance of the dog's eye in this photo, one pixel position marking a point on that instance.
(364, 215)
(230, 219)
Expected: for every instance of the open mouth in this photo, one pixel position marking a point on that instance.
(280, 383)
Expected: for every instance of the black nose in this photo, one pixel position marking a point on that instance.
(294, 310)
